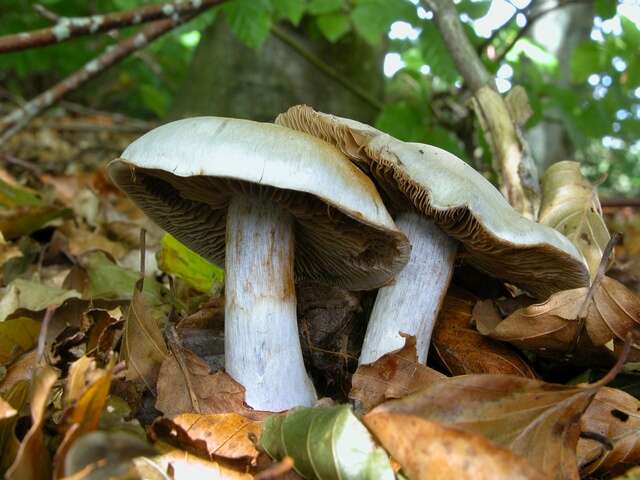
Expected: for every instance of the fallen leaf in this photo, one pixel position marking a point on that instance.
(86, 396)
(224, 435)
(192, 388)
(553, 326)
(105, 455)
(325, 443)
(570, 205)
(33, 461)
(177, 259)
(427, 449)
(14, 401)
(17, 336)
(185, 466)
(20, 370)
(536, 420)
(33, 296)
(80, 240)
(394, 375)
(462, 349)
(613, 415)
(632, 474)
(143, 347)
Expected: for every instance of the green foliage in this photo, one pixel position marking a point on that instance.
(250, 20)
(372, 18)
(333, 25)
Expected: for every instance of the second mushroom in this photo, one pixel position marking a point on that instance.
(442, 205)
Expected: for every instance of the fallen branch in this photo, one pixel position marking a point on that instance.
(72, 27)
(20, 117)
(499, 122)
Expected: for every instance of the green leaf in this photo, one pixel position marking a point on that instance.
(320, 7)
(34, 296)
(372, 18)
(176, 258)
(326, 443)
(290, 9)
(108, 281)
(436, 55)
(155, 99)
(588, 57)
(605, 8)
(402, 121)
(17, 336)
(250, 20)
(475, 9)
(333, 25)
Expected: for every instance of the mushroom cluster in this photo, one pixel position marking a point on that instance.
(297, 199)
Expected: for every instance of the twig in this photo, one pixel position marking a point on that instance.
(72, 27)
(530, 21)
(325, 68)
(20, 117)
(42, 337)
(519, 176)
(620, 202)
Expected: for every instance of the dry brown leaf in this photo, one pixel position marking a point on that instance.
(570, 205)
(143, 347)
(462, 349)
(186, 466)
(85, 398)
(33, 461)
(394, 375)
(20, 370)
(224, 435)
(537, 420)
(426, 449)
(615, 416)
(81, 240)
(552, 326)
(192, 388)
(14, 401)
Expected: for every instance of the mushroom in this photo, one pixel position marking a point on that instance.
(442, 204)
(254, 196)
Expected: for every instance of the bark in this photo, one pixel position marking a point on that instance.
(229, 79)
(559, 31)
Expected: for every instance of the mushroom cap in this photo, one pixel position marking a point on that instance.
(497, 239)
(183, 175)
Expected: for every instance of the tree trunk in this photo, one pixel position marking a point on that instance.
(229, 79)
(559, 31)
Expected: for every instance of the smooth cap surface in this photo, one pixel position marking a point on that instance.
(497, 239)
(183, 175)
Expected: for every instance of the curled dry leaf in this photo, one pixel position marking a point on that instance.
(183, 465)
(394, 375)
(225, 435)
(20, 370)
(570, 204)
(33, 461)
(615, 416)
(17, 336)
(86, 396)
(105, 455)
(553, 326)
(536, 420)
(14, 401)
(33, 296)
(143, 347)
(427, 449)
(187, 385)
(462, 349)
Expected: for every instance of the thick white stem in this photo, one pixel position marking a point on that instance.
(411, 304)
(262, 349)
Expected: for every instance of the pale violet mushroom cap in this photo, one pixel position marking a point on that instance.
(183, 175)
(496, 238)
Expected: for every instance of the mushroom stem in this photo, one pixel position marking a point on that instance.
(262, 349)
(411, 304)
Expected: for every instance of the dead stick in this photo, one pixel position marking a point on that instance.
(72, 27)
(20, 117)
